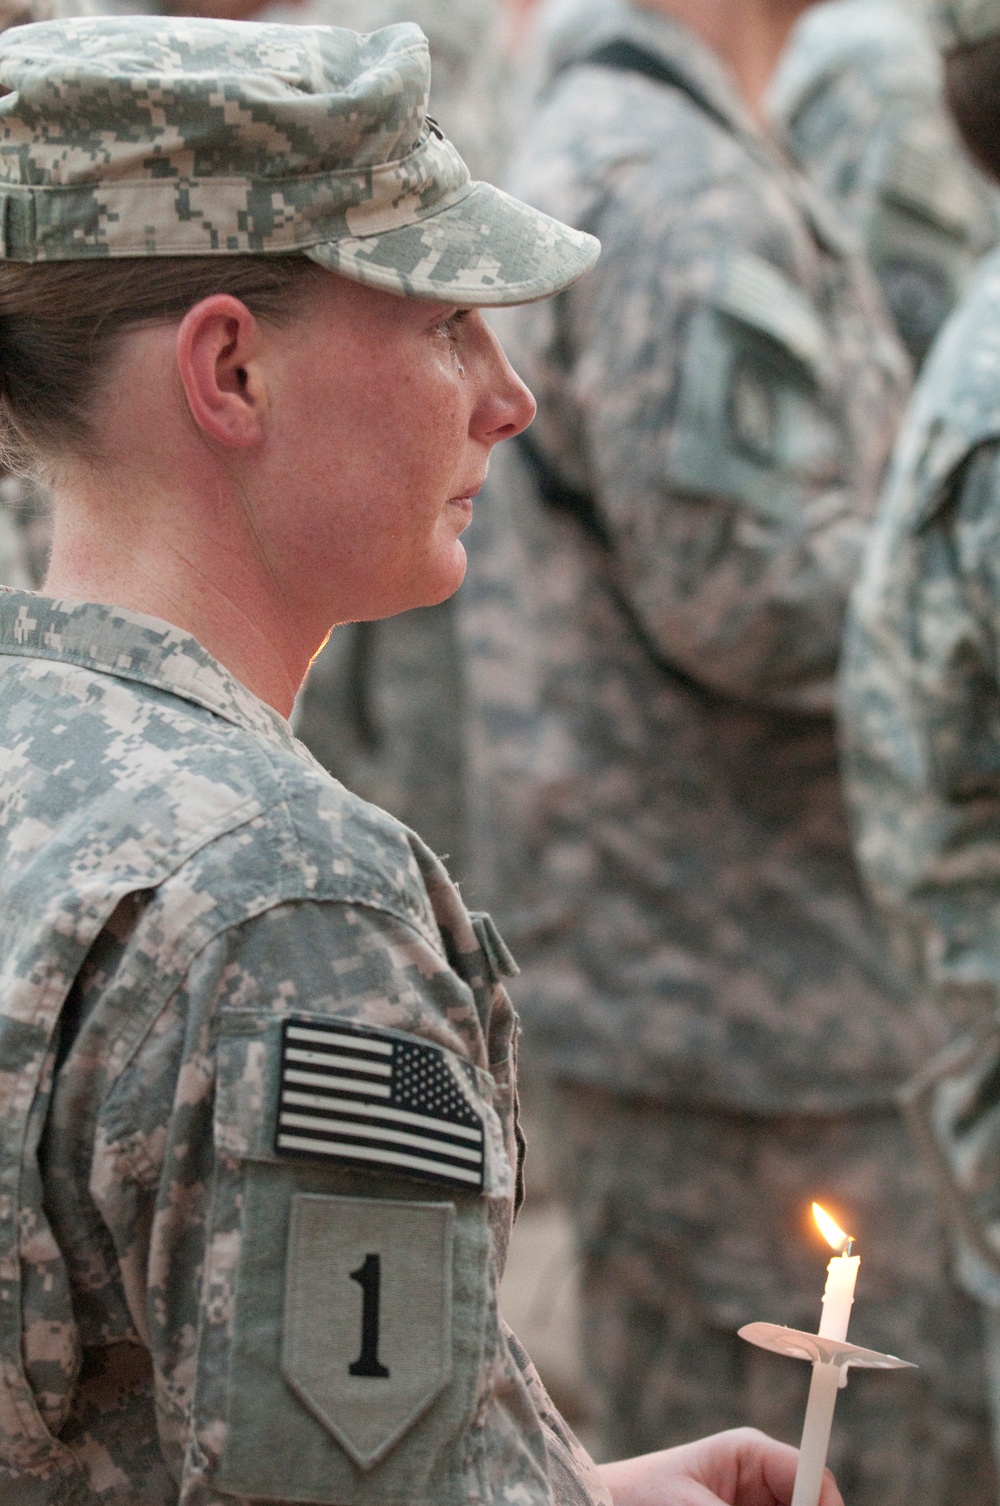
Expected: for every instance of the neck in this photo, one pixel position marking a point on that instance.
(748, 36)
(222, 595)
(518, 18)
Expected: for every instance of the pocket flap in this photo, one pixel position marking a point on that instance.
(756, 294)
(496, 953)
(933, 186)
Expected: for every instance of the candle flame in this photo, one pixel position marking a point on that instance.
(831, 1232)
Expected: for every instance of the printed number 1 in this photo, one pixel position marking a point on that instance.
(369, 1277)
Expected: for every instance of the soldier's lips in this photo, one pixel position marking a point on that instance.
(463, 501)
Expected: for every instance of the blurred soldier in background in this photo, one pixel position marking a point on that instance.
(921, 708)
(24, 533)
(21, 12)
(519, 17)
(858, 94)
(383, 707)
(656, 597)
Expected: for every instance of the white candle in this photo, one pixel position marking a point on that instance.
(838, 1297)
(816, 1435)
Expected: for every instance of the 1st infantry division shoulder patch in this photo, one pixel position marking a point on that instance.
(378, 1099)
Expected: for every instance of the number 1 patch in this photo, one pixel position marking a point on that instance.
(367, 1321)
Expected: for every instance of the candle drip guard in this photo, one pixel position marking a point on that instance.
(798, 1345)
(831, 1361)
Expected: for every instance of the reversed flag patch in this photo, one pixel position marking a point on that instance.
(375, 1099)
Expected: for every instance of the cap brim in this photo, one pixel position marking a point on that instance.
(485, 248)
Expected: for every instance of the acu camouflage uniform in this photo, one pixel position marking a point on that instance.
(218, 1279)
(921, 724)
(919, 697)
(654, 612)
(859, 98)
(179, 878)
(383, 707)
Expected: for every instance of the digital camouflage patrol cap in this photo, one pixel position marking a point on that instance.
(960, 23)
(147, 136)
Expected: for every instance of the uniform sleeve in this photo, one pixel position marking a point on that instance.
(861, 104)
(921, 732)
(923, 214)
(328, 1150)
(926, 218)
(712, 416)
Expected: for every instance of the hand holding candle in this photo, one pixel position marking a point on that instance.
(831, 1356)
(738, 1468)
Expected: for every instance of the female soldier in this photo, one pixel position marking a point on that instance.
(256, 1064)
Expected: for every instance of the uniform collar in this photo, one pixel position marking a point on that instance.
(131, 646)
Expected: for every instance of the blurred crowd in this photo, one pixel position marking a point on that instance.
(750, 867)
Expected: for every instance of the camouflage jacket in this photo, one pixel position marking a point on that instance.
(921, 725)
(651, 652)
(859, 97)
(221, 1279)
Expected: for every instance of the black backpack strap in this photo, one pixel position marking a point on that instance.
(559, 495)
(629, 57)
(579, 505)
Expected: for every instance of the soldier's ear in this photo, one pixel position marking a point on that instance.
(219, 360)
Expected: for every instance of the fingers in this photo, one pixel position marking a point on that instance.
(746, 1468)
(739, 1468)
(768, 1469)
(778, 1463)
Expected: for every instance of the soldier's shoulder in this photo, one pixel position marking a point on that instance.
(361, 853)
(608, 126)
(956, 406)
(213, 796)
(953, 421)
(304, 836)
(654, 175)
(880, 44)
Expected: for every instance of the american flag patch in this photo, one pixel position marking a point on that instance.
(376, 1099)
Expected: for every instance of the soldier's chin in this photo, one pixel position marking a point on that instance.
(435, 587)
(456, 574)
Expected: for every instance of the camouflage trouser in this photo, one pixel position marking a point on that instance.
(991, 1323)
(691, 1224)
(25, 533)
